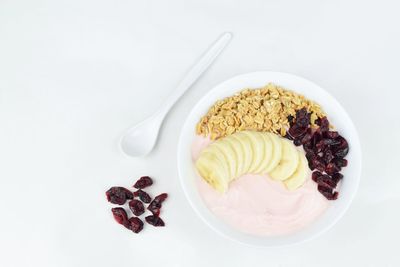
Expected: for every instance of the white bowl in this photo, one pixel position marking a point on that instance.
(336, 115)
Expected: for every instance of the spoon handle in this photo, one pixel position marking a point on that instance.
(196, 71)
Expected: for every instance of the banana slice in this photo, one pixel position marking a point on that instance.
(288, 163)
(276, 148)
(252, 152)
(212, 171)
(227, 156)
(299, 177)
(268, 150)
(237, 155)
(233, 156)
(215, 151)
(238, 150)
(247, 157)
(257, 146)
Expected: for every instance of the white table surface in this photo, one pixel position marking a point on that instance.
(74, 74)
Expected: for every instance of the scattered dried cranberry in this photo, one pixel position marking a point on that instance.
(135, 224)
(161, 197)
(154, 208)
(327, 192)
(143, 182)
(136, 207)
(143, 196)
(154, 220)
(156, 204)
(119, 215)
(118, 195)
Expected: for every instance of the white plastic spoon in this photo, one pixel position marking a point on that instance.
(140, 139)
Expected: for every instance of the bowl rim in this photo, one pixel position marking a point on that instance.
(355, 146)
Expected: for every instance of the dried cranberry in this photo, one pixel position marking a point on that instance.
(342, 143)
(143, 196)
(316, 138)
(341, 153)
(288, 136)
(331, 142)
(323, 125)
(303, 122)
(307, 137)
(315, 175)
(296, 131)
(326, 181)
(310, 155)
(155, 209)
(155, 205)
(320, 146)
(290, 119)
(154, 220)
(302, 118)
(340, 162)
(119, 215)
(118, 195)
(297, 142)
(301, 113)
(318, 164)
(136, 207)
(311, 165)
(308, 149)
(327, 192)
(331, 134)
(337, 177)
(328, 156)
(135, 224)
(325, 144)
(143, 182)
(325, 150)
(161, 197)
(332, 168)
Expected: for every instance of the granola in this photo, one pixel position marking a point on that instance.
(263, 109)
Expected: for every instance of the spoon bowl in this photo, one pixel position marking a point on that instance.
(140, 139)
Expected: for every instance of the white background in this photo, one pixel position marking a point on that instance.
(75, 74)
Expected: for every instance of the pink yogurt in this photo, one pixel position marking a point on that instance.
(258, 205)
